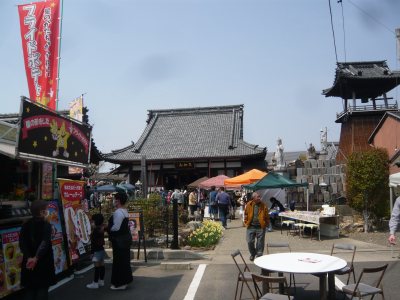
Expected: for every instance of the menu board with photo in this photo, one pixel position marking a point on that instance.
(134, 225)
(77, 223)
(10, 261)
(57, 241)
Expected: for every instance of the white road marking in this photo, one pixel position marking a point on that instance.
(61, 282)
(194, 285)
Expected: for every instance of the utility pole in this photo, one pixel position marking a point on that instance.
(398, 43)
(174, 243)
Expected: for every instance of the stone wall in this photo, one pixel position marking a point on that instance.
(326, 180)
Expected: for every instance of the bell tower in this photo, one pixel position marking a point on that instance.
(363, 87)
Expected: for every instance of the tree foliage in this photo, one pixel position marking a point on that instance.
(367, 180)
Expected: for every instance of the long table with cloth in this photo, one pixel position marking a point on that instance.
(328, 225)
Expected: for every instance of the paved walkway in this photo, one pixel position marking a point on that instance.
(159, 271)
(235, 238)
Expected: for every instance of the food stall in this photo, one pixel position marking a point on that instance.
(37, 145)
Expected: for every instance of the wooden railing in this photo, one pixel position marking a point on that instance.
(367, 108)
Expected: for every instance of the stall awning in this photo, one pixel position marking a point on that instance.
(272, 181)
(246, 178)
(394, 180)
(216, 181)
(8, 138)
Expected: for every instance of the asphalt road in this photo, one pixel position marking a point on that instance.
(218, 282)
(153, 281)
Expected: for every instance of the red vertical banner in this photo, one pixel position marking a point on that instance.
(40, 29)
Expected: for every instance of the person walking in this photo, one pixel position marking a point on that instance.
(192, 202)
(394, 221)
(121, 239)
(224, 202)
(37, 269)
(97, 248)
(256, 219)
(213, 203)
(176, 195)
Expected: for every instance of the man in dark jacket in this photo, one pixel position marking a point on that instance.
(224, 203)
(37, 269)
(213, 203)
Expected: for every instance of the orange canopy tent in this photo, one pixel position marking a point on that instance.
(246, 178)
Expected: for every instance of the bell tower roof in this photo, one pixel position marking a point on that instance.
(362, 80)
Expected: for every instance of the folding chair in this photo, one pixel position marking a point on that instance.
(279, 246)
(244, 275)
(262, 293)
(361, 289)
(349, 269)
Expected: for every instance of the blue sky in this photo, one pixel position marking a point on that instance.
(273, 56)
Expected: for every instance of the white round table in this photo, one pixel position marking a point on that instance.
(305, 263)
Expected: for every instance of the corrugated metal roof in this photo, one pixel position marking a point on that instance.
(207, 132)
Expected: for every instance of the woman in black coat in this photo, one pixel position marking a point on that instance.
(121, 239)
(37, 270)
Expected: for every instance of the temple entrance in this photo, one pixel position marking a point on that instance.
(180, 179)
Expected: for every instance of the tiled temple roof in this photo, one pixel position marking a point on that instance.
(202, 132)
(368, 79)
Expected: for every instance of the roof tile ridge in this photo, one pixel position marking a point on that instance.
(145, 134)
(118, 151)
(206, 109)
(383, 62)
(232, 139)
(251, 146)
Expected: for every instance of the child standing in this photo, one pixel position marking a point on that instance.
(97, 243)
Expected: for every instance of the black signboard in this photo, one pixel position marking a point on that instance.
(48, 136)
(184, 165)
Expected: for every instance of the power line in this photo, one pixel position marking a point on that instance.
(344, 31)
(333, 31)
(373, 18)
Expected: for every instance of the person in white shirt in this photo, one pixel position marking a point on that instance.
(118, 226)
